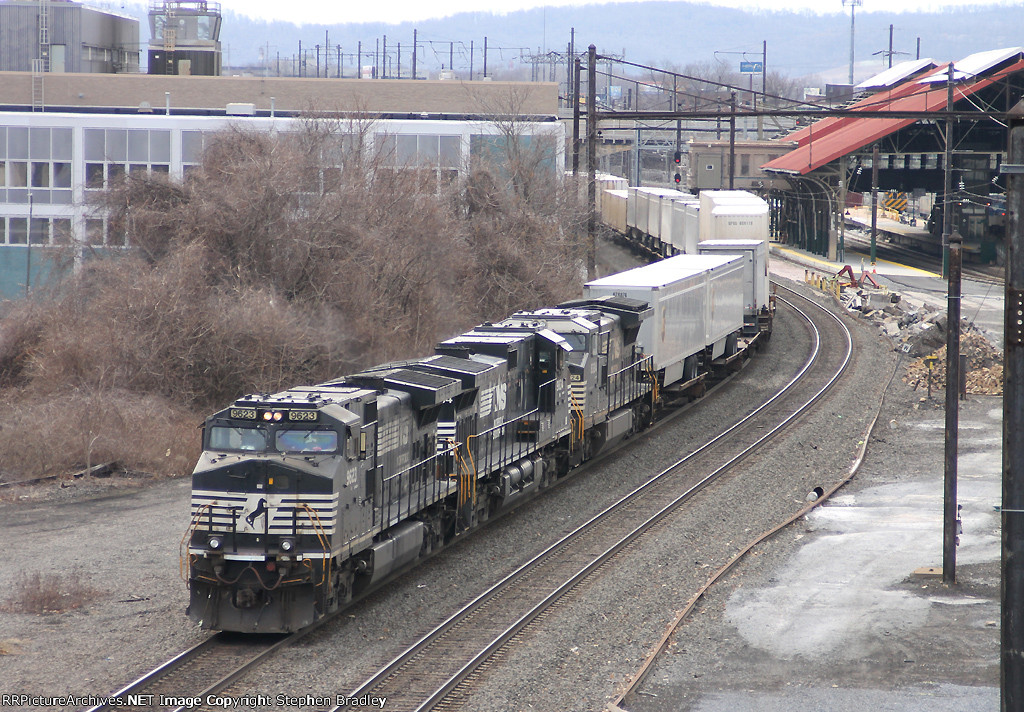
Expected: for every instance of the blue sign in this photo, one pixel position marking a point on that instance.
(751, 67)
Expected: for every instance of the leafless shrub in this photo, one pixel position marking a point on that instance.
(140, 432)
(49, 593)
(283, 259)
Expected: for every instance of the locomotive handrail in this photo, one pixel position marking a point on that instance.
(189, 531)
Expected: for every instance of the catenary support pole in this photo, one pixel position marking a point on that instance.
(1011, 669)
(947, 178)
(576, 117)
(591, 162)
(732, 141)
(874, 202)
(950, 520)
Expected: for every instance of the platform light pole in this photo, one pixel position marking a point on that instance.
(854, 4)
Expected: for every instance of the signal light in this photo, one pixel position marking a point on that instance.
(677, 157)
(677, 178)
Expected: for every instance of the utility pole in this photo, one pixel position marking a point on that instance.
(1011, 669)
(874, 203)
(952, 242)
(592, 162)
(947, 183)
(414, 43)
(890, 47)
(732, 141)
(854, 4)
(576, 117)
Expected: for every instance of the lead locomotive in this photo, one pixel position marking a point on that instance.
(304, 498)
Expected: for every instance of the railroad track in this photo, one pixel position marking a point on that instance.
(438, 670)
(914, 258)
(448, 658)
(201, 671)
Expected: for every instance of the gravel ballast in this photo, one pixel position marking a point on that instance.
(126, 546)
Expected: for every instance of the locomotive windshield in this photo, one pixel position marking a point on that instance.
(578, 342)
(237, 438)
(306, 440)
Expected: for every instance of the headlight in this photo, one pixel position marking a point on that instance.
(215, 542)
(287, 545)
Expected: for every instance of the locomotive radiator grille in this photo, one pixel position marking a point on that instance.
(579, 396)
(244, 512)
(445, 435)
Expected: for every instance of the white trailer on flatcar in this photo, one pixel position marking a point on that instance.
(732, 215)
(697, 303)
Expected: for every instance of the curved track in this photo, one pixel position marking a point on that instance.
(439, 668)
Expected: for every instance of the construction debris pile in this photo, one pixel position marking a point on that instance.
(920, 332)
(984, 367)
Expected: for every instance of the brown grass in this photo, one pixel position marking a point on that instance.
(49, 593)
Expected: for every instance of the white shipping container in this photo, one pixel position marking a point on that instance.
(680, 291)
(602, 182)
(755, 280)
(674, 225)
(656, 201)
(636, 210)
(614, 205)
(732, 215)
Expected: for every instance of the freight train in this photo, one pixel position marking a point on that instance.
(303, 499)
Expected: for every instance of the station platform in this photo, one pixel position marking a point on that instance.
(897, 233)
(858, 260)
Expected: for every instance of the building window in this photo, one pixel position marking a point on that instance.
(40, 231)
(94, 175)
(40, 175)
(94, 231)
(19, 231)
(61, 175)
(17, 174)
(62, 231)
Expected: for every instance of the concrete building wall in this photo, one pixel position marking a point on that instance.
(81, 91)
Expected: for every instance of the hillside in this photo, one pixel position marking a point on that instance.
(799, 44)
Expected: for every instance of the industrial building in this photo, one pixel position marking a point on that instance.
(95, 128)
(62, 36)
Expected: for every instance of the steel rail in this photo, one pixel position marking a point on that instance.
(149, 681)
(417, 648)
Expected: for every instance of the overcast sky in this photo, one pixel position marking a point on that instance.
(334, 12)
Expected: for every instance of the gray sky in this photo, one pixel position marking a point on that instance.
(334, 12)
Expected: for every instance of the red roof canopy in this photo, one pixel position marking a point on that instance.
(830, 138)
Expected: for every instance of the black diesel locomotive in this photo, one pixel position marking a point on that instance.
(304, 498)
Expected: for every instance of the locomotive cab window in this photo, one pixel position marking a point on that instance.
(306, 441)
(237, 439)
